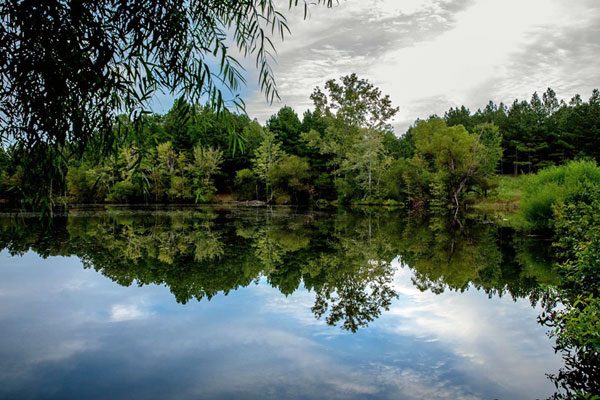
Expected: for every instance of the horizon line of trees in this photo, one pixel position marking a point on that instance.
(343, 151)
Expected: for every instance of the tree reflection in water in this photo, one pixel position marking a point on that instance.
(345, 258)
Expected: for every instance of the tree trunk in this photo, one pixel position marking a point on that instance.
(370, 179)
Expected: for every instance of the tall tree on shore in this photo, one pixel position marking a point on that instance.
(358, 115)
(267, 156)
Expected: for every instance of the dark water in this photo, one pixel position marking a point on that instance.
(280, 303)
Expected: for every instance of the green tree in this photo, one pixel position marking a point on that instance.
(246, 185)
(367, 161)
(455, 156)
(290, 178)
(100, 58)
(354, 102)
(491, 139)
(357, 116)
(205, 165)
(286, 126)
(266, 157)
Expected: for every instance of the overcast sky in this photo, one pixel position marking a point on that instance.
(429, 55)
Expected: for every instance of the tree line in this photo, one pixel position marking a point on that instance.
(344, 151)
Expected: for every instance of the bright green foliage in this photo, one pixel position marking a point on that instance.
(456, 158)
(576, 222)
(553, 185)
(205, 164)
(579, 325)
(490, 137)
(418, 179)
(355, 102)
(367, 162)
(159, 174)
(266, 157)
(357, 116)
(290, 179)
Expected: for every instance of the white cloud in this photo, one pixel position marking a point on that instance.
(430, 55)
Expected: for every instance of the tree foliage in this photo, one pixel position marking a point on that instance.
(343, 151)
(67, 68)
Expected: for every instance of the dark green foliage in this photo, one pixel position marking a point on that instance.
(246, 185)
(576, 224)
(449, 162)
(540, 132)
(291, 179)
(459, 116)
(287, 127)
(121, 192)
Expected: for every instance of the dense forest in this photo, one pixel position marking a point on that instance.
(343, 151)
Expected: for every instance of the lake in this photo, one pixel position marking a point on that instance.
(241, 302)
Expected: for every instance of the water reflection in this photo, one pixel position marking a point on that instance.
(348, 261)
(345, 260)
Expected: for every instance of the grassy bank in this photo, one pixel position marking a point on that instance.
(504, 198)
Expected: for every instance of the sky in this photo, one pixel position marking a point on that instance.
(430, 55)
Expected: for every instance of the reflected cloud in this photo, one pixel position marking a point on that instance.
(497, 338)
(127, 312)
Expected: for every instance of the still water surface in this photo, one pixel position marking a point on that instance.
(269, 303)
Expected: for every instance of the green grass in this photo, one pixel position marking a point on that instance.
(527, 201)
(506, 197)
(504, 201)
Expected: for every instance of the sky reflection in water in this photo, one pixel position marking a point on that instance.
(70, 332)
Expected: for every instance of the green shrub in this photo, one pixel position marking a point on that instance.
(179, 189)
(578, 326)
(290, 179)
(577, 228)
(246, 185)
(122, 192)
(78, 184)
(282, 197)
(551, 186)
(85, 184)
